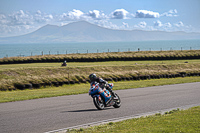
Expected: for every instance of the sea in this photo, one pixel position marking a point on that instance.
(16, 50)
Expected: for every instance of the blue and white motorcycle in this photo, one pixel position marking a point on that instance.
(106, 99)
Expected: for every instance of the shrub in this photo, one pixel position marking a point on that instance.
(19, 85)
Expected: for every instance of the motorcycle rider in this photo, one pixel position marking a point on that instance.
(103, 85)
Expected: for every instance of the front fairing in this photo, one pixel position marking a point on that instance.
(93, 89)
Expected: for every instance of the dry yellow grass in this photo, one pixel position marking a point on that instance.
(47, 72)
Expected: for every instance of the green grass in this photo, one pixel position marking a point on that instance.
(178, 121)
(18, 95)
(83, 64)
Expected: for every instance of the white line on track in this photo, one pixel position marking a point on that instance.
(63, 130)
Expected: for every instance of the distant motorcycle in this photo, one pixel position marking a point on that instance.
(99, 100)
(64, 63)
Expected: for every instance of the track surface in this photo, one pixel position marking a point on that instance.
(47, 114)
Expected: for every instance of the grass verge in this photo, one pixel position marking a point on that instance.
(174, 122)
(19, 95)
(93, 64)
(19, 75)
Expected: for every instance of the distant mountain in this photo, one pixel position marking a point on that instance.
(83, 31)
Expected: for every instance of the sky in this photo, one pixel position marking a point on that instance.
(18, 17)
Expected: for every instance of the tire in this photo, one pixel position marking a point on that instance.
(99, 104)
(118, 102)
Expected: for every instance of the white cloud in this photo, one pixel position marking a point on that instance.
(170, 13)
(72, 15)
(75, 14)
(173, 11)
(6, 30)
(106, 24)
(40, 17)
(63, 23)
(22, 22)
(120, 14)
(158, 23)
(142, 24)
(25, 18)
(146, 14)
(38, 12)
(2, 16)
(94, 14)
(110, 25)
(179, 24)
(168, 25)
(151, 14)
(125, 25)
(3, 19)
(20, 18)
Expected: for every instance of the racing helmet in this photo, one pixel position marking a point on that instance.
(92, 77)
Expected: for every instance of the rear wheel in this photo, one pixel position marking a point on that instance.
(117, 101)
(98, 103)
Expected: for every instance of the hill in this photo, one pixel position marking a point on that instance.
(83, 31)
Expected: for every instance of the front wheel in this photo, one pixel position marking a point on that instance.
(98, 102)
(117, 101)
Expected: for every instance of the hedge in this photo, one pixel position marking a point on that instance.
(98, 57)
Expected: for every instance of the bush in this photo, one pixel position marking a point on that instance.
(19, 85)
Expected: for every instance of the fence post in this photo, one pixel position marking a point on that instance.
(42, 52)
(138, 49)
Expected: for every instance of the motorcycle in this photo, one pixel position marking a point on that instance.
(99, 100)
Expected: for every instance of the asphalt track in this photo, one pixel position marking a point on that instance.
(49, 114)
